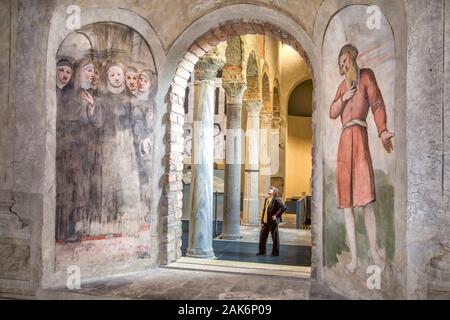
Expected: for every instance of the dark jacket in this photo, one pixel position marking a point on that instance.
(276, 208)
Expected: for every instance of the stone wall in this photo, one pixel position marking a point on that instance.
(428, 145)
(6, 96)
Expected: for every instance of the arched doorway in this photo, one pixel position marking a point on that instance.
(186, 66)
(299, 149)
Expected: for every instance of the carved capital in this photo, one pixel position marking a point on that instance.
(276, 122)
(207, 67)
(266, 120)
(234, 89)
(253, 107)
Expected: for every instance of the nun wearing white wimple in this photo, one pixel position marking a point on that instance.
(142, 121)
(120, 190)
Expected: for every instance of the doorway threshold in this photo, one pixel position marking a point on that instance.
(226, 266)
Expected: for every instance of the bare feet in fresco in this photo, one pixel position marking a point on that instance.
(378, 259)
(351, 267)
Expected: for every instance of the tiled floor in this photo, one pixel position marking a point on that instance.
(288, 236)
(295, 247)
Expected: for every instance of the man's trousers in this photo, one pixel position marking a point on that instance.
(264, 234)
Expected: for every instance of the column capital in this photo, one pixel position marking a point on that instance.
(206, 68)
(276, 123)
(234, 89)
(266, 120)
(253, 107)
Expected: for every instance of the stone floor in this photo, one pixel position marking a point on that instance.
(236, 273)
(295, 249)
(288, 236)
(170, 284)
(246, 252)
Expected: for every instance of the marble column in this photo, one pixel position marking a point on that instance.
(265, 170)
(251, 178)
(275, 153)
(234, 89)
(201, 191)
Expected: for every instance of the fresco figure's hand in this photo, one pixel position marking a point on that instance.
(146, 147)
(349, 94)
(386, 138)
(87, 97)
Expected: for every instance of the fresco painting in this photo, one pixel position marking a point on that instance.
(359, 164)
(106, 83)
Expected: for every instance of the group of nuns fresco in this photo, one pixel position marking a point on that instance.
(104, 147)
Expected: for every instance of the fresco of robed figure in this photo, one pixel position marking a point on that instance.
(104, 135)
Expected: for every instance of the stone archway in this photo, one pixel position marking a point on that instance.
(171, 202)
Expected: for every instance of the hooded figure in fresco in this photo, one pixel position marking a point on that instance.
(132, 81)
(64, 85)
(356, 95)
(120, 187)
(142, 123)
(142, 113)
(75, 156)
(97, 84)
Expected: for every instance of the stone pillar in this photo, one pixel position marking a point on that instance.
(201, 192)
(275, 154)
(265, 171)
(234, 89)
(251, 202)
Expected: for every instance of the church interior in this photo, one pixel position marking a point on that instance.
(224, 150)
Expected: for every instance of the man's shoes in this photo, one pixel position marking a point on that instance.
(275, 254)
(261, 254)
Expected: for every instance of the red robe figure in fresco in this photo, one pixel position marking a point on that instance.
(355, 177)
(356, 95)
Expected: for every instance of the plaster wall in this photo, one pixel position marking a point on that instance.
(299, 164)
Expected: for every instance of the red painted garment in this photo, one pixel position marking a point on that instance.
(354, 174)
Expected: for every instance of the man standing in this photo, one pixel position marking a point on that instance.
(355, 179)
(272, 211)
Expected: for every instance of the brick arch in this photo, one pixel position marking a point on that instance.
(253, 92)
(266, 94)
(276, 106)
(171, 201)
(224, 32)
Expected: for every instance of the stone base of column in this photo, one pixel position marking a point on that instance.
(230, 236)
(250, 225)
(201, 254)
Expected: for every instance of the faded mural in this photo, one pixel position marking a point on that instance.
(359, 166)
(105, 88)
